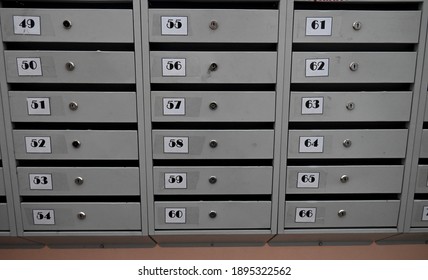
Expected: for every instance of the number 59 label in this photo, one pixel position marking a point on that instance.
(317, 67)
(38, 145)
(175, 181)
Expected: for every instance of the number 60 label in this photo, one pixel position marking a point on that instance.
(175, 215)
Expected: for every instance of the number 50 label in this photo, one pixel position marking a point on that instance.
(29, 66)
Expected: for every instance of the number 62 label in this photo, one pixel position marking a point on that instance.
(317, 67)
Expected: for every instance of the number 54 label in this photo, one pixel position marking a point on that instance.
(43, 217)
(308, 144)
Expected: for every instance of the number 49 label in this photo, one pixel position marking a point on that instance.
(317, 67)
(43, 217)
(425, 214)
(25, 25)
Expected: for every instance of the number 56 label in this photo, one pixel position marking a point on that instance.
(173, 67)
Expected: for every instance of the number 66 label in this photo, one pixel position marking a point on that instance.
(306, 215)
(317, 67)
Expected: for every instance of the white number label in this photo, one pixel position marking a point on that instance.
(425, 214)
(308, 180)
(176, 145)
(174, 106)
(174, 26)
(44, 217)
(317, 67)
(318, 26)
(23, 25)
(175, 181)
(38, 106)
(173, 67)
(311, 144)
(29, 66)
(312, 105)
(40, 181)
(306, 215)
(175, 215)
(39, 145)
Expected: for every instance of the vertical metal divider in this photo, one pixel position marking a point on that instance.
(140, 71)
(146, 121)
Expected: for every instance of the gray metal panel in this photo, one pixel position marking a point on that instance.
(95, 144)
(376, 143)
(87, 25)
(235, 26)
(424, 144)
(228, 180)
(231, 144)
(230, 106)
(392, 106)
(422, 179)
(420, 214)
(232, 67)
(360, 179)
(230, 215)
(2, 185)
(373, 67)
(4, 217)
(375, 213)
(90, 181)
(99, 216)
(91, 106)
(376, 26)
(90, 67)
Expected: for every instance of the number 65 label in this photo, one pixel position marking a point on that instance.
(317, 67)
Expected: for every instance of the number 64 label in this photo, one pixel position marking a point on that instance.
(310, 144)
(43, 217)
